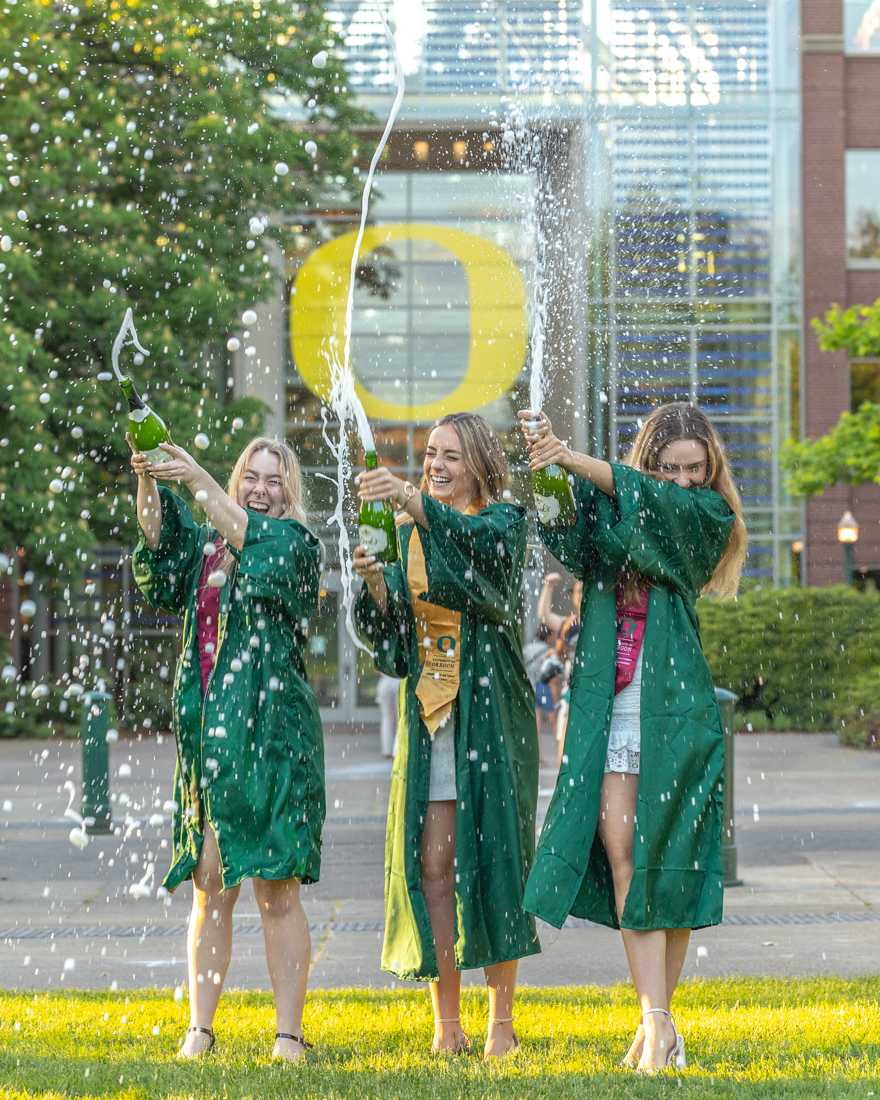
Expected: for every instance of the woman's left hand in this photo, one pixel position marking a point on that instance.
(181, 467)
(543, 446)
(380, 484)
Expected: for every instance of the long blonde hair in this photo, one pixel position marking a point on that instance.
(291, 475)
(482, 454)
(681, 420)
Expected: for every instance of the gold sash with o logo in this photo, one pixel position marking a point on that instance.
(438, 632)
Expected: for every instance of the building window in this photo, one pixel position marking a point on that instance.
(862, 26)
(862, 207)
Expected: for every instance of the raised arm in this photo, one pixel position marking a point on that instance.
(666, 533)
(165, 570)
(545, 449)
(148, 504)
(546, 614)
(475, 563)
(229, 519)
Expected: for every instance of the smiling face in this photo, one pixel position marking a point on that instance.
(447, 477)
(261, 487)
(686, 462)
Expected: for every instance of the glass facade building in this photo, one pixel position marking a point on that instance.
(649, 153)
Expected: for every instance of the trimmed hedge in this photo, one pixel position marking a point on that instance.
(798, 658)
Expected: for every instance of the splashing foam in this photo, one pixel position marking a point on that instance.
(343, 398)
(126, 329)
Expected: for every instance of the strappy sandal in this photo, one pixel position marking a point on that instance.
(462, 1043)
(675, 1059)
(306, 1047)
(199, 1054)
(512, 1049)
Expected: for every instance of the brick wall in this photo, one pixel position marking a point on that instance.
(839, 111)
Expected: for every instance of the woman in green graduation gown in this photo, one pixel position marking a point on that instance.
(249, 784)
(632, 837)
(461, 816)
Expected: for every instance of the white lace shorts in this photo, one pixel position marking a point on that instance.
(442, 784)
(624, 738)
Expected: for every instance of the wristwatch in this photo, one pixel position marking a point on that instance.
(409, 491)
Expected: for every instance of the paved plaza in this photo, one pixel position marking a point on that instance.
(807, 820)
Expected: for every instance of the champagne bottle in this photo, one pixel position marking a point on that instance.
(146, 428)
(377, 530)
(554, 500)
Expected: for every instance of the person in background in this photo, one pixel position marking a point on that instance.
(566, 628)
(543, 671)
(387, 691)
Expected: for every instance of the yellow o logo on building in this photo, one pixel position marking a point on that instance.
(498, 320)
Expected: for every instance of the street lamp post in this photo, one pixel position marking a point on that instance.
(848, 536)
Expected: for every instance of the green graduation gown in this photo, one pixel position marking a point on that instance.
(250, 752)
(674, 538)
(474, 565)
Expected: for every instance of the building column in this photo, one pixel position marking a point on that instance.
(563, 225)
(263, 374)
(825, 391)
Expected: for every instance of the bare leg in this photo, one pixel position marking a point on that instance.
(501, 982)
(288, 954)
(438, 859)
(645, 951)
(677, 941)
(208, 944)
(561, 727)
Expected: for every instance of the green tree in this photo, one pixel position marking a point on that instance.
(148, 153)
(849, 453)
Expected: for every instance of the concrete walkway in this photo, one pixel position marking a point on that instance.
(808, 826)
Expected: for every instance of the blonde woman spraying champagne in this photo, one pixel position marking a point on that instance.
(249, 785)
(632, 837)
(461, 814)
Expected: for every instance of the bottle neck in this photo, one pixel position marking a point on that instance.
(131, 394)
(371, 460)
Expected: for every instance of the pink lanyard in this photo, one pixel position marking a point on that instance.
(207, 616)
(631, 619)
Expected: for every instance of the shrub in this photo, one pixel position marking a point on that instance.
(793, 654)
(857, 711)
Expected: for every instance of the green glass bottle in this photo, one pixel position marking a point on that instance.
(554, 500)
(146, 428)
(377, 530)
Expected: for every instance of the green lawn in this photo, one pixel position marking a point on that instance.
(767, 1038)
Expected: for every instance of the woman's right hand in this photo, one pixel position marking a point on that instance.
(544, 448)
(140, 464)
(365, 565)
(372, 572)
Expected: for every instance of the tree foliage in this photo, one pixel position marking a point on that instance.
(148, 152)
(849, 453)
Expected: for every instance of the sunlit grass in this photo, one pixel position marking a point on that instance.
(764, 1038)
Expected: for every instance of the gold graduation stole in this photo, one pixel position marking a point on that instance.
(438, 633)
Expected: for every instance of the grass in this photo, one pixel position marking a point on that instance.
(746, 1038)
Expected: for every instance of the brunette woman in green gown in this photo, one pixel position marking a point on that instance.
(632, 837)
(249, 784)
(461, 812)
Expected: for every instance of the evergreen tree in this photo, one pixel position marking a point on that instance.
(148, 153)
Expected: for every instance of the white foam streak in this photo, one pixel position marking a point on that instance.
(125, 329)
(343, 398)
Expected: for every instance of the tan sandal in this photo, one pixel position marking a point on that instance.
(199, 1053)
(306, 1047)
